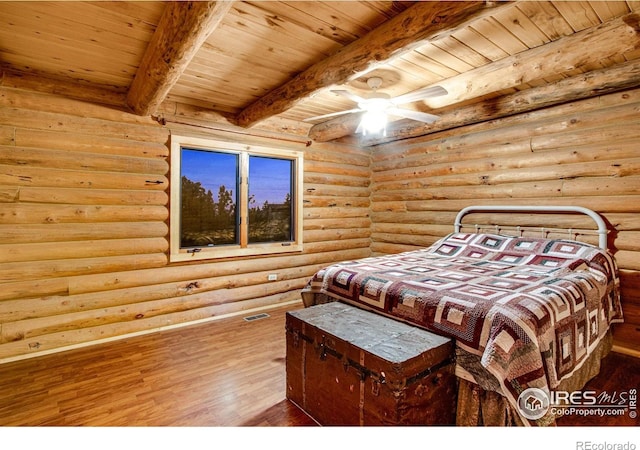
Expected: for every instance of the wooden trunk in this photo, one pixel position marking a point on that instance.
(347, 366)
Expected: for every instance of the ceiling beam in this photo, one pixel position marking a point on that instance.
(335, 128)
(104, 95)
(590, 84)
(608, 40)
(404, 32)
(181, 31)
(182, 113)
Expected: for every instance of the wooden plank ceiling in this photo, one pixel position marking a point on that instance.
(270, 65)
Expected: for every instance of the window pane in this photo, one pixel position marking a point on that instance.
(270, 199)
(208, 198)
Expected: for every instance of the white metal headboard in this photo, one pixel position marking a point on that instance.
(602, 226)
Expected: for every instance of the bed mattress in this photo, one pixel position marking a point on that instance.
(532, 310)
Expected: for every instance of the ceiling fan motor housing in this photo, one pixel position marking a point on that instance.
(374, 82)
(378, 106)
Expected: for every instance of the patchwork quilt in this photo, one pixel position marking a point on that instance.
(530, 309)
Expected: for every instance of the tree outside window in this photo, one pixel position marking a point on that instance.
(233, 202)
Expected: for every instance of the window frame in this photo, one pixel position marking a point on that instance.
(244, 248)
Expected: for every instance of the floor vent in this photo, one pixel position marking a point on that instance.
(256, 317)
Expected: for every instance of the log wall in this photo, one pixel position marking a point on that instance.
(84, 194)
(582, 153)
(84, 211)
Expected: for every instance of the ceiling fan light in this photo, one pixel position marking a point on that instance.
(374, 122)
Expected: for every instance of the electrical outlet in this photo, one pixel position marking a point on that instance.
(272, 277)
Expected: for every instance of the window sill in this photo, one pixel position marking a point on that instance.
(227, 252)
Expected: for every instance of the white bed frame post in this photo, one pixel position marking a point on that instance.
(602, 226)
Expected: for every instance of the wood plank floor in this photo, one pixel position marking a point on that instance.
(224, 373)
(229, 372)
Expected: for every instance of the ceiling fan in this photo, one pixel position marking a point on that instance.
(377, 106)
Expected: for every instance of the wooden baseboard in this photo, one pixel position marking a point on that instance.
(626, 351)
(149, 331)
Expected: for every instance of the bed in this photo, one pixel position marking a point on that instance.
(525, 312)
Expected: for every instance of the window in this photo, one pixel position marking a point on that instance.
(231, 199)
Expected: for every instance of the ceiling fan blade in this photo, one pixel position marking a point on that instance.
(349, 95)
(413, 115)
(326, 116)
(420, 94)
